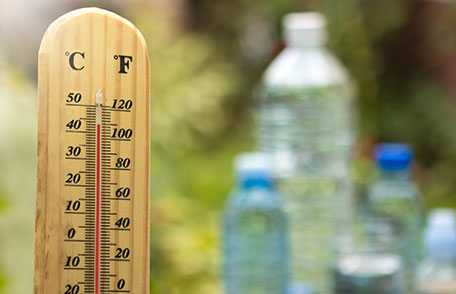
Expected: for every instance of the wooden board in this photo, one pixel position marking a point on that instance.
(92, 223)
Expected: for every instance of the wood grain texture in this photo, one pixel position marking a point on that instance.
(97, 39)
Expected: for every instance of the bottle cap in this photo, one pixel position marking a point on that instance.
(393, 157)
(305, 29)
(440, 234)
(254, 170)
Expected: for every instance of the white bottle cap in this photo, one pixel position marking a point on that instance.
(248, 163)
(305, 29)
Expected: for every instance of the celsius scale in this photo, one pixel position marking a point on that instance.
(92, 225)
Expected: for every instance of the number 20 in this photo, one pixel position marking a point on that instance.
(72, 289)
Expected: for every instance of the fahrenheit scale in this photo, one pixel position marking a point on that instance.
(92, 226)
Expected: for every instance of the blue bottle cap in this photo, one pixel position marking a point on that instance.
(393, 156)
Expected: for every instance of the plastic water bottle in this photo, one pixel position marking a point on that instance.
(437, 273)
(368, 262)
(307, 98)
(369, 273)
(255, 232)
(304, 120)
(393, 198)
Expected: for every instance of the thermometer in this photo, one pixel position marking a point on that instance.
(92, 224)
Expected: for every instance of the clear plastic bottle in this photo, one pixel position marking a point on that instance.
(255, 232)
(305, 121)
(393, 197)
(437, 273)
(307, 99)
(368, 273)
(367, 262)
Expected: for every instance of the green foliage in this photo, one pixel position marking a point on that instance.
(192, 88)
(17, 185)
(196, 133)
(3, 204)
(2, 282)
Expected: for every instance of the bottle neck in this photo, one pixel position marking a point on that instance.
(303, 46)
(395, 175)
(305, 38)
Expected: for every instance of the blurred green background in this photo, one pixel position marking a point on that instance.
(207, 58)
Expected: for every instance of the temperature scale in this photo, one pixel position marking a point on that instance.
(92, 226)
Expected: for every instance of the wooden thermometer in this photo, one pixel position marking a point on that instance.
(92, 226)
